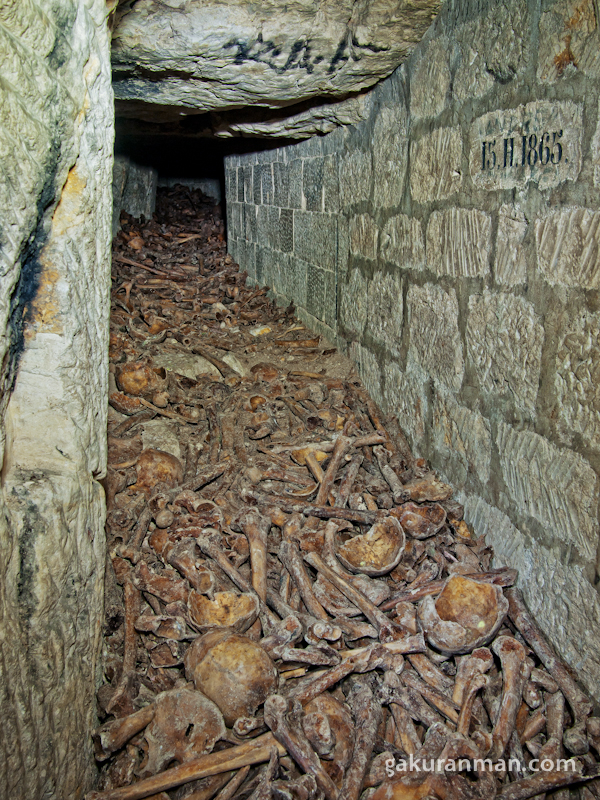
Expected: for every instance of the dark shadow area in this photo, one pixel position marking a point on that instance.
(185, 157)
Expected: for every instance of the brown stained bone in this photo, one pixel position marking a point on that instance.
(479, 662)
(430, 673)
(121, 703)
(114, 734)
(341, 727)
(348, 482)
(231, 670)
(386, 627)
(284, 720)
(290, 557)
(342, 445)
(531, 632)
(477, 682)
(376, 552)
(229, 791)
(515, 672)
(254, 752)
(186, 724)
(466, 615)
(226, 610)
(268, 621)
(439, 700)
(256, 528)
(420, 521)
(268, 774)
(367, 713)
(545, 782)
(309, 423)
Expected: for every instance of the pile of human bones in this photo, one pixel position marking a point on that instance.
(295, 607)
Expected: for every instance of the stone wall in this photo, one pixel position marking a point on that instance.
(55, 231)
(133, 190)
(451, 245)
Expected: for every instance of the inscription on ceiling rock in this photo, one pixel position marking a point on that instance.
(568, 247)
(539, 142)
(556, 487)
(173, 58)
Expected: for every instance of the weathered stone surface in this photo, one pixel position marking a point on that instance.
(462, 439)
(187, 58)
(385, 311)
(568, 247)
(364, 236)
(577, 379)
(569, 41)
(556, 487)
(510, 265)
(353, 307)
(540, 142)
(430, 80)
(402, 242)
(562, 600)
(134, 190)
(55, 215)
(184, 363)
(162, 434)
(315, 238)
(406, 397)
(435, 344)
(313, 120)
(458, 242)
(390, 151)
(494, 47)
(435, 169)
(356, 177)
(596, 151)
(368, 369)
(320, 294)
(504, 345)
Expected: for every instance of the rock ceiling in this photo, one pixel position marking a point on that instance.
(276, 68)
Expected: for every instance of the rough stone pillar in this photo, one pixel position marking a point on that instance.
(56, 138)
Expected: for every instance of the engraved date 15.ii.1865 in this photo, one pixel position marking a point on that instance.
(520, 151)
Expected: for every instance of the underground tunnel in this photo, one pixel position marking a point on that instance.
(300, 418)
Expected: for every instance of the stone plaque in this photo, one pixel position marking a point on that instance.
(539, 142)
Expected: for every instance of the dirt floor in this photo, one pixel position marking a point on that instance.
(295, 606)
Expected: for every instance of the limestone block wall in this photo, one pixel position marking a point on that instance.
(133, 190)
(451, 245)
(56, 137)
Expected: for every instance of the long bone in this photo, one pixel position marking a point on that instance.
(515, 671)
(284, 720)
